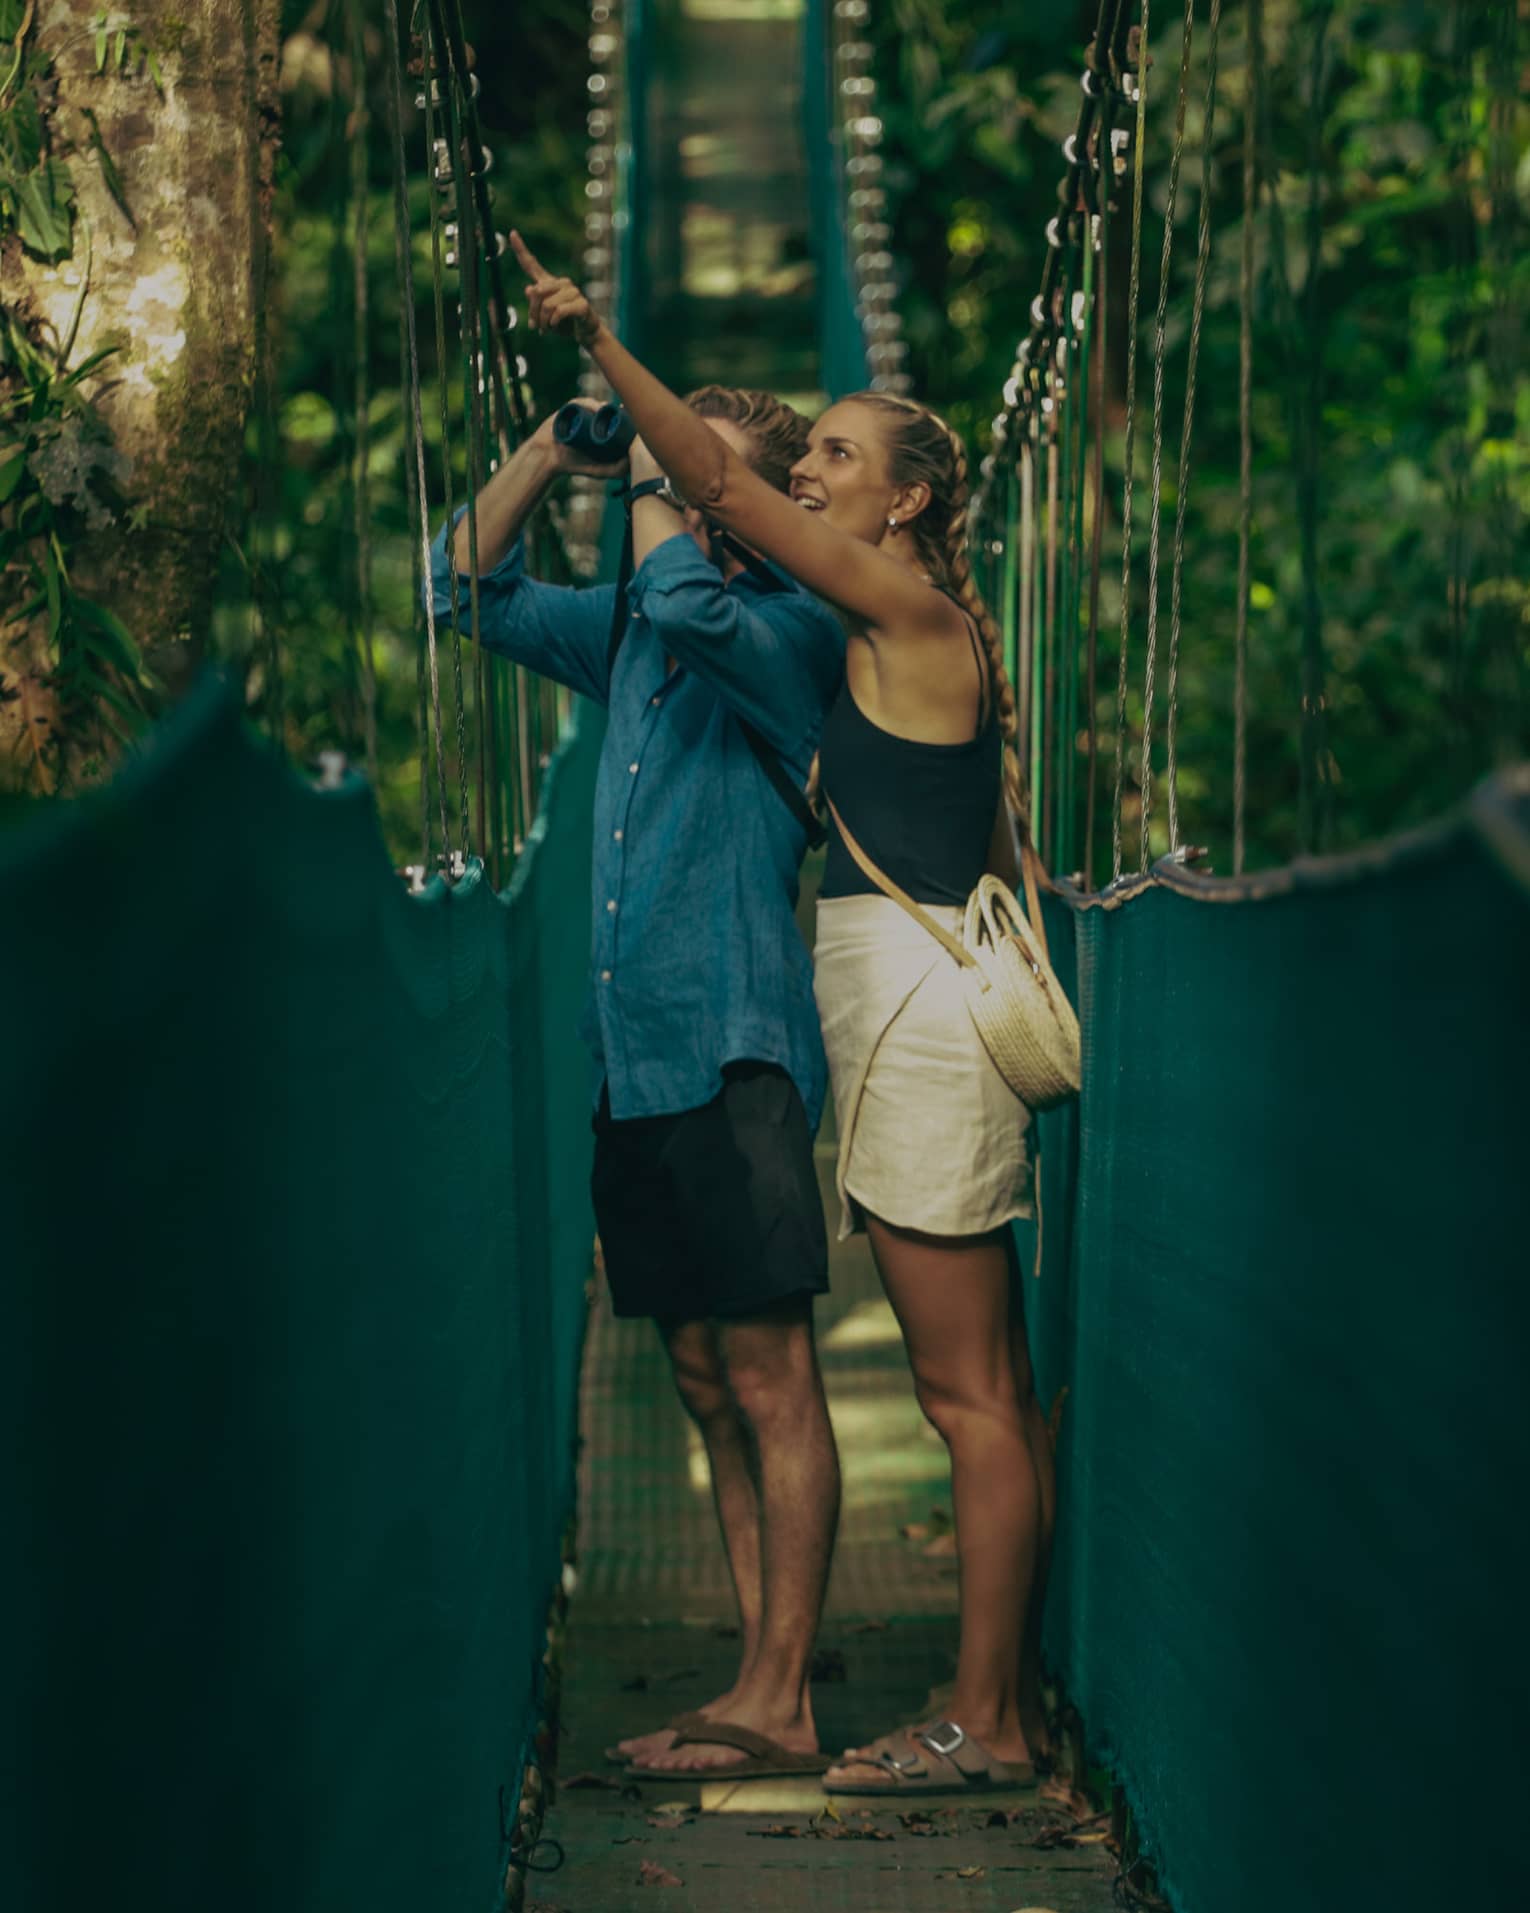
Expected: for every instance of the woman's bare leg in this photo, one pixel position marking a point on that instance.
(953, 1301)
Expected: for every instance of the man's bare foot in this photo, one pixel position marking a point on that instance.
(643, 1748)
(796, 1734)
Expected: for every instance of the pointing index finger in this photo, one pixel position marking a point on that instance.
(530, 264)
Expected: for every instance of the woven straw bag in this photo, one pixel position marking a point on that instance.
(1020, 1009)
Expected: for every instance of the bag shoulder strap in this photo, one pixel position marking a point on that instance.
(885, 884)
(782, 782)
(1030, 863)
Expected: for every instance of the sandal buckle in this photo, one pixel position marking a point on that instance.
(945, 1737)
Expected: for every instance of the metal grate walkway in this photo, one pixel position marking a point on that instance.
(649, 1634)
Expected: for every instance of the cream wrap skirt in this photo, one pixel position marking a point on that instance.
(931, 1137)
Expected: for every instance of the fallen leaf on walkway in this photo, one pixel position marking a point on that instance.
(674, 1806)
(1033, 1909)
(650, 1873)
(869, 1627)
(972, 1873)
(944, 1545)
(683, 1674)
(828, 1665)
(630, 1840)
(1059, 1792)
(777, 1831)
(603, 1782)
(1051, 1838)
(915, 1531)
(940, 1520)
(920, 1824)
(637, 1685)
(1090, 1839)
(725, 1630)
(828, 1811)
(670, 1819)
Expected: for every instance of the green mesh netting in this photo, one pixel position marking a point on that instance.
(1286, 1267)
(293, 1172)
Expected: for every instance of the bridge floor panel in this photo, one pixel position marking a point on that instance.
(650, 1635)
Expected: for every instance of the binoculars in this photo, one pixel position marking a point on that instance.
(603, 436)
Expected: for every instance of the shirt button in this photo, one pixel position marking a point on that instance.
(617, 835)
(611, 906)
(633, 769)
(605, 976)
(656, 701)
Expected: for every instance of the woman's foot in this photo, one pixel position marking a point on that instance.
(1004, 1743)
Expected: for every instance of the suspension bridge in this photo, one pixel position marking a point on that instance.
(295, 1389)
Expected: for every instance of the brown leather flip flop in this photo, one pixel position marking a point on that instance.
(763, 1759)
(942, 1759)
(681, 1724)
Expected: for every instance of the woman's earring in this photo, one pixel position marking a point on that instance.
(892, 524)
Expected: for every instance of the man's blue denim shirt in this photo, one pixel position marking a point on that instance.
(696, 958)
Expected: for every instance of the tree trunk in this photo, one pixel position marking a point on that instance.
(174, 282)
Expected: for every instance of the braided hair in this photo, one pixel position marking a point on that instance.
(922, 448)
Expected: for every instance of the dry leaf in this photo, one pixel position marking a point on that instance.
(940, 1520)
(943, 1546)
(683, 1674)
(972, 1873)
(1033, 1909)
(637, 1685)
(870, 1627)
(914, 1531)
(650, 1873)
(603, 1782)
(779, 1831)
(668, 1820)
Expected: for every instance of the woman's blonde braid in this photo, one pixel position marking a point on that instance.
(953, 568)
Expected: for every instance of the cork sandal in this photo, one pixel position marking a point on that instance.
(942, 1759)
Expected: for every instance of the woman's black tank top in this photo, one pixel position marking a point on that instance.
(923, 812)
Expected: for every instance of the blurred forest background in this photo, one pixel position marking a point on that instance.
(1398, 154)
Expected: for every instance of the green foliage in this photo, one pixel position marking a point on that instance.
(1411, 328)
(303, 545)
(60, 475)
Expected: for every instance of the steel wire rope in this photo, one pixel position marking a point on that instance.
(433, 144)
(1065, 630)
(428, 670)
(469, 333)
(508, 367)
(1314, 697)
(1252, 83)
(1160, 330)
(1187, 429)
(361, 503)
(1133, 303)
(1097, 522)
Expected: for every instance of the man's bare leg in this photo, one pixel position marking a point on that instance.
(696, 1361)
(773, 1377)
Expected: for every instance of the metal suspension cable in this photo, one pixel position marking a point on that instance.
(1159, 349)
(1182, 483)
(447, 22)
(1134, 295)
(433, 64)
(360, 306)
(1252, 83)
(469, 241)
(419, 494)
(1314, 698)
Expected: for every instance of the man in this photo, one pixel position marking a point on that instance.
(710, 1073)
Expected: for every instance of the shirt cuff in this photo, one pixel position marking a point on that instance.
(510, 569)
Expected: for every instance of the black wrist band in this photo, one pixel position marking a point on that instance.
(649, 488)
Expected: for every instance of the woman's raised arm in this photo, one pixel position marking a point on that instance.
(843, 570)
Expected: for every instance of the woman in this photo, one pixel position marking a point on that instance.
(933, 1156)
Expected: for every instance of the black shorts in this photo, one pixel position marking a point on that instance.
(713, 1212)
